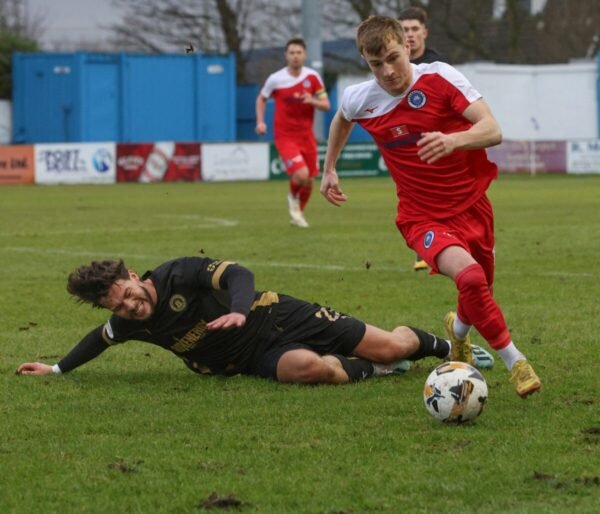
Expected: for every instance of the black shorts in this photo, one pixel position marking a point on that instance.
(309, 326)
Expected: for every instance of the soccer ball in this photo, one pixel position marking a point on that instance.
(455, 392)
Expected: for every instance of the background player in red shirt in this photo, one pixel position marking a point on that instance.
(297, 91)
(432, 127)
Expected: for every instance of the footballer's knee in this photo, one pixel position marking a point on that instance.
(385, 347)
(471, 278)
(395, 345)
(304, 367)
(301, 177)
(406, 342)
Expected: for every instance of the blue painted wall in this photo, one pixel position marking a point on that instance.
(123, 97)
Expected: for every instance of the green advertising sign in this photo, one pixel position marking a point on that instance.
(356, 160)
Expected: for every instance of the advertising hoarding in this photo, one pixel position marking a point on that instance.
(243, 161)
(75, 163)
(16, 164)
(163, 161)
(583, 156)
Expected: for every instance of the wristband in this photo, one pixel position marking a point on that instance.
(56, 370)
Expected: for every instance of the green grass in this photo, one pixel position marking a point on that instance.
(135, 432)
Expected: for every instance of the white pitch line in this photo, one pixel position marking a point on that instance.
(252, 264)
(78, 253)
(304, 265)
(209, 223)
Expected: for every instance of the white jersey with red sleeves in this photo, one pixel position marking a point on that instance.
(293, 118)
(435, 101)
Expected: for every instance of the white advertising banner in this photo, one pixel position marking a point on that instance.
(583, 156)
(75, 163)
(233, 161)
(5, 122)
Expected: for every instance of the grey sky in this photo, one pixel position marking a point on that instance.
(73, 20)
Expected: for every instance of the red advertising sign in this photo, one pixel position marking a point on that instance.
(163, 161)
(16, 164)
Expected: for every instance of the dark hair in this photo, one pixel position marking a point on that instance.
(374, 33)
(414, 13)
(91, 283)
(295, 41)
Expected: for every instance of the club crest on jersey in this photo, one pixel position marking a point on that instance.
(400, 130)
(177, 303)
(306, 83)
(428, 239)
(417, 99)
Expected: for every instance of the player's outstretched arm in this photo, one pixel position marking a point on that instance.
(339, 131)
(87, 349)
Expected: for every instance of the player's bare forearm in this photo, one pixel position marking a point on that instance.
(485, 131)
(261, 127)
(318, 102)
(322, 103)
(339, 131)
(483, 134)
(338, 135)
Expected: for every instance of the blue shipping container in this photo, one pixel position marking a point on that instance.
(77, 97)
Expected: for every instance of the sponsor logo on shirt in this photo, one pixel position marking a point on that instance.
(191, 338)
(417, 99)
(405, 140)
(428, 239)
(177, 303)
(398, 131)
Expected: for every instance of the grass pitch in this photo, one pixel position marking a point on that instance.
(135, 432)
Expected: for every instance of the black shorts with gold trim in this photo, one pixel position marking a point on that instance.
(302, 325)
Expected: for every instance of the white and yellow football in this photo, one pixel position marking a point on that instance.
(455, 392)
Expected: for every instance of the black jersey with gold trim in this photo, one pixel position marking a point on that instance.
(191, 292)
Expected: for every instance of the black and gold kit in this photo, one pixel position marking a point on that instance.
(193, 291)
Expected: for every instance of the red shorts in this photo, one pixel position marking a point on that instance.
(298, 154)
(472, 229)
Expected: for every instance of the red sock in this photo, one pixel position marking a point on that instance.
(305, 193)
(476, 304)
(295, 189)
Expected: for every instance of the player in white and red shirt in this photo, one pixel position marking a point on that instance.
(297, 91)
(432, 128)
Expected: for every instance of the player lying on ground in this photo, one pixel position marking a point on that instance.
(208, 313)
